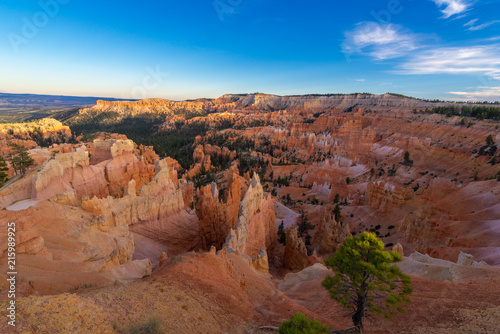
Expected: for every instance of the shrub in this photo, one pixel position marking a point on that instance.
(300, 324)
(153, 326)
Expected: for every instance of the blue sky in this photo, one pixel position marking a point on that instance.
(446, 49)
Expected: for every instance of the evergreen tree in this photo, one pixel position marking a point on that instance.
(20, 159)
(336, 212)
(336, 199)
(304, 225)
(365, 282)
(406, 158)
(3, 170)
(281, 233)
(489, 140)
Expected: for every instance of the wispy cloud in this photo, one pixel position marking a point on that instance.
(481, 94)
(480, 60)
(381, 41)
(452, 7)
(470, 23)
(473, 27)
(360, 80)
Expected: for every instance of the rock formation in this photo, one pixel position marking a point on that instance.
(233, 197)
(211, 213)
(260, 262)
(398, 248)
(383, 196)
(295, 256)
(256, 228)
(416, 229)
(330, 233)
(93, 212)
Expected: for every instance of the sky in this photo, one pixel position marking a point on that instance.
(433, 49)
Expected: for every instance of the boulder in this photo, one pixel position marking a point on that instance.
(260, 262)
(465, 259)
(398, 248)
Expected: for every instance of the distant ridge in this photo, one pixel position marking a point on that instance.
(36, 100)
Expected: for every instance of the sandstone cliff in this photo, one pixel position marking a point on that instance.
(330, 234)
(256, 228)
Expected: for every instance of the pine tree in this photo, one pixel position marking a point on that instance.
(20, 159)
(3, 169)
(281, 233)
(336, 212)
(336, 199)
(365, 282)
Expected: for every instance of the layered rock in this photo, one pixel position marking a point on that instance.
(470, 271)
(260, 262)
(416, 229)
(70, 172)
(211, 213)
(45, 127)
(123, 167)
(83, 223)
(256, 228)
(162, 183)
(233, 197)
(60, 246)
(295, 256)
(330, 234)
(384, 196)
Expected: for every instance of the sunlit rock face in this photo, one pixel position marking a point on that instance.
(256, 228)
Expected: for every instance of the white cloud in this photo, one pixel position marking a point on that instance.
(381, 41)
(478, 60)
(360, 80)
(470, 23)
(473, 27)
(452, 7)
(481, 94)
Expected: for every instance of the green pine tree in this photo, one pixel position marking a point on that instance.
(3, 170)
(365, 282)
(20, 159)
(281, 233)
(336, 212)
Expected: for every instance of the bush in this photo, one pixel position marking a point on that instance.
(300, 324)
(153, 326)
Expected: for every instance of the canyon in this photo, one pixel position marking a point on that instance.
(113, 230)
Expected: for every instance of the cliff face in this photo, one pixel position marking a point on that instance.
(211, 212)
(158, 106)
(295, 256)
(46, 128)
(266, 102)
(80, 219)
(330, 233)
(384, 196)
(256, 228)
